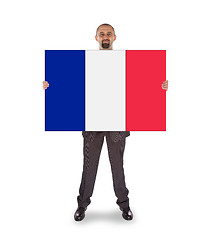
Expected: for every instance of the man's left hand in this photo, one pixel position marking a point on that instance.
(165, 85)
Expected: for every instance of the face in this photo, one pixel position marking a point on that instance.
(105, 37)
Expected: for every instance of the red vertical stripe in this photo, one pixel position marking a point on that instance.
(145, 98)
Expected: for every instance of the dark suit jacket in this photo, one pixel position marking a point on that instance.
(115, 136)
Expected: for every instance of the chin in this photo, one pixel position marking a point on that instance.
(106, 46)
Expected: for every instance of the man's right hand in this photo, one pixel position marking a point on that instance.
(45, 84)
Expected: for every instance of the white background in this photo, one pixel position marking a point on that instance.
(167, 173)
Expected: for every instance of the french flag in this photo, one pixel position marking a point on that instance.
(105, 90)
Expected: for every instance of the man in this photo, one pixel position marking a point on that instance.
(93, 141)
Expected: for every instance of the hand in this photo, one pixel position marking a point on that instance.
(45, 84)
(165, 85)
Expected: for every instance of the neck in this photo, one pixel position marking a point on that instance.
(111, 48)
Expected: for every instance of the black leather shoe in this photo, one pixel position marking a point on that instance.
(79, 214)
(127, 213)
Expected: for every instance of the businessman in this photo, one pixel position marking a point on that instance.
(93, 142)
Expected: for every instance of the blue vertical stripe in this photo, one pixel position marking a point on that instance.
(65, 96)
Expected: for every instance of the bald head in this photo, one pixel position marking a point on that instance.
(105, 24)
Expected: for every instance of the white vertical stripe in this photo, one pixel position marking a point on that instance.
(105, 90)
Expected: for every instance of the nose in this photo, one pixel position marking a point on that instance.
(106, 36)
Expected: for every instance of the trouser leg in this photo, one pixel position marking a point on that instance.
(91, 151)
(116, 151)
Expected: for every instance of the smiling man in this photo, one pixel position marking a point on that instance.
(93, 142)
(105, 35)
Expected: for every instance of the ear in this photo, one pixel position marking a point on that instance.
(114, 37)
(96, 38)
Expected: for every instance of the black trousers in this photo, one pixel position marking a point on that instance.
(92, 150)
